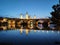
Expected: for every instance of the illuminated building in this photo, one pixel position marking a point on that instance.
(21, 17)
(26, 15)
(34, 17)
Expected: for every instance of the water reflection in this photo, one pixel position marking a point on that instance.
(34, 30)
(29, 36)
(26, 31)
(43, 31)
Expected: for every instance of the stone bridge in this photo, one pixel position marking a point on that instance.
(16, 23)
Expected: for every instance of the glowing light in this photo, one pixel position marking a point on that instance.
(31, 25)
(42, 30)
(38, 30)
(9, 21)
(13, 22)
(9, 26)
(27, 31)
(21, 30)
(4, 27)
(4, 20)
(52, 31)
(34, 30)
(47, 31)
(13, 26)
(28, 22)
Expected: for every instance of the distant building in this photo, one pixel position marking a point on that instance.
(21, 17)
(26, 15)
(34, 17)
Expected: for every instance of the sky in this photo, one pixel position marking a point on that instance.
(13, 8)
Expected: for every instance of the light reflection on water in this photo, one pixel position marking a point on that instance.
(29, 36)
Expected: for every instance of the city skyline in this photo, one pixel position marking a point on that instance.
(13, 8)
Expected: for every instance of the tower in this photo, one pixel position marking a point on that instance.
(55, 18)
(26, 15)
(34, 17)
(21, 17)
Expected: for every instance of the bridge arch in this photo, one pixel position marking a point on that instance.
(39, 24)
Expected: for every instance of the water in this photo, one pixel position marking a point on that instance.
(32, 37)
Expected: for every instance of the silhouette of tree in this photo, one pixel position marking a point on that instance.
(56, 14)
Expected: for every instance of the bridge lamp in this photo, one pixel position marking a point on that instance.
(4, 20)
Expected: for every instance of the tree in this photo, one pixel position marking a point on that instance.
(55, 18)
(55, 15)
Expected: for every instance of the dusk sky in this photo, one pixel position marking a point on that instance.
(13, 8)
